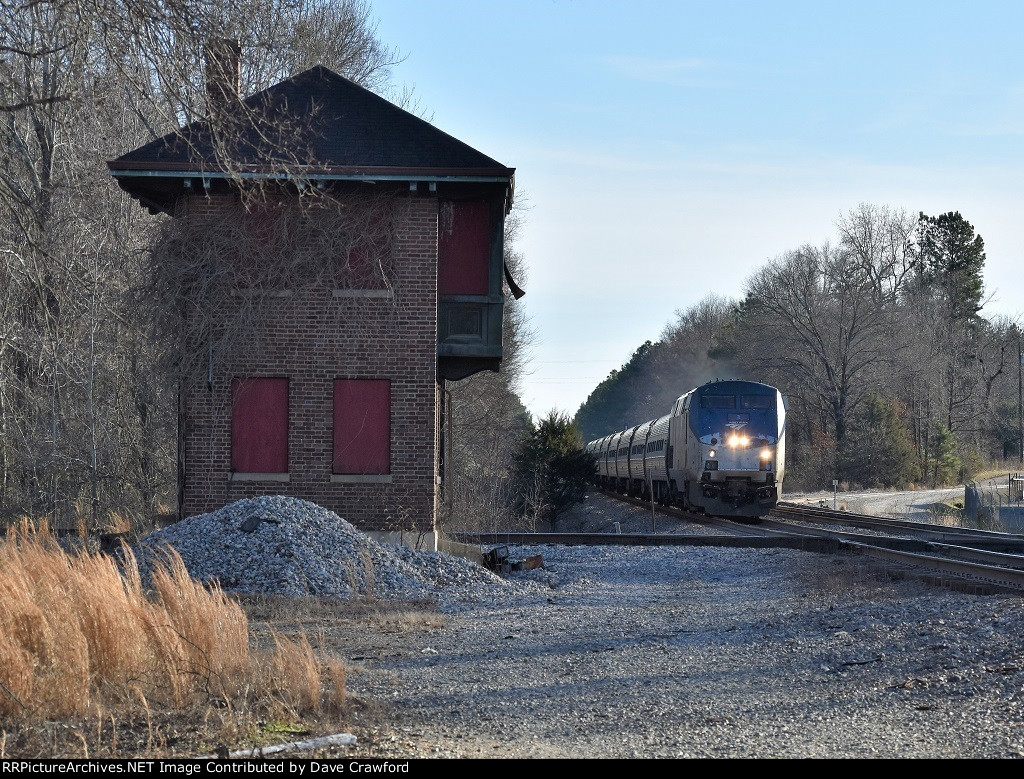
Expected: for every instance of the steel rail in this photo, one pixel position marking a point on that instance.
(806, 542)
(911, 545)
(978, 536)
(990, 575)
(967, 564)
(721, 523)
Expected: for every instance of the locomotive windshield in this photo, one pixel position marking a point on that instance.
(718, 401)
(745, 401)
(757, 401)
(749, 415)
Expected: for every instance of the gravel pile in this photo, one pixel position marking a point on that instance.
(277, 545)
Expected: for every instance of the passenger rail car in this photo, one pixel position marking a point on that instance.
(720, 450)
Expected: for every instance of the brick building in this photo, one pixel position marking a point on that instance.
(329, 389)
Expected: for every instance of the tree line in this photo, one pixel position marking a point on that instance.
(893, 375)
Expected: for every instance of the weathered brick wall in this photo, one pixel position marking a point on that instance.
(312, 339)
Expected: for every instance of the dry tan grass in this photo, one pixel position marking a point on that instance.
(118, 523)
(337, 674)
(292, 674)
(79, 637)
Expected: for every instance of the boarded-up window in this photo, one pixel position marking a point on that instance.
(366, 233)
(362, 426)
(255, 236)
(366, 268)
(464, 248)
(259, 425)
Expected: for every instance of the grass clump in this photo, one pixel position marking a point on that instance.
(80, 637)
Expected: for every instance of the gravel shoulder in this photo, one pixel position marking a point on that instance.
(696, 652)
(620, 651)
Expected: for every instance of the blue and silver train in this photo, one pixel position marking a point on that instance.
(721, 450)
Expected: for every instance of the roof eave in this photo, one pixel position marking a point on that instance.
(129, 169)
(126, 172)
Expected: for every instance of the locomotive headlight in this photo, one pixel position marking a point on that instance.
(766, 454)
(738, 440)
(711, 452)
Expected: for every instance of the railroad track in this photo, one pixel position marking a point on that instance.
(983, 556)
(981, 539)
(965, 558)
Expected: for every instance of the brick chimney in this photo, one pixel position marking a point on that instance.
(223, 75)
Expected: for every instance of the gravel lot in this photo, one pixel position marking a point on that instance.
(698, 652)
(631, 652)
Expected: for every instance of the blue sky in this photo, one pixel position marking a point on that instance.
(665, 150)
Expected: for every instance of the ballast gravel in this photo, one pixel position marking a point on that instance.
(640, 652)
(276, 545)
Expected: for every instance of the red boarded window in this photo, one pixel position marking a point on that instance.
(362, 426)
(259, 425)
(365, 269)
(257, 238)
(368, 233)
(464, 247)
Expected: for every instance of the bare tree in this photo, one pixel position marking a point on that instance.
(825, 318)
(158, 50)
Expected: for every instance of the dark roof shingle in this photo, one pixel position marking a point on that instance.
(321, 121)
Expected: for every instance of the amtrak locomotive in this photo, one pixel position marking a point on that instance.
(721, 451)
